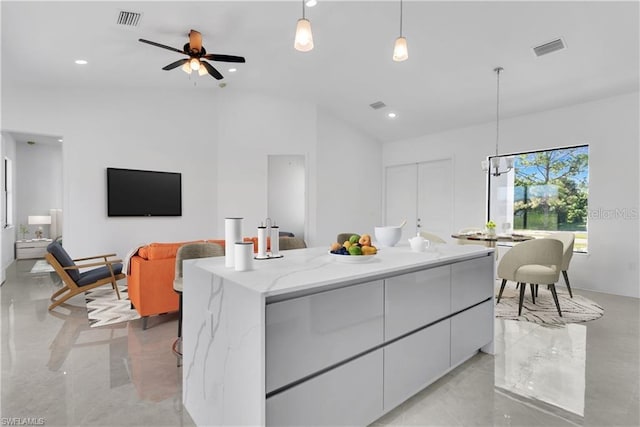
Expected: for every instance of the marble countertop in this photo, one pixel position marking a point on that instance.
(311, 269)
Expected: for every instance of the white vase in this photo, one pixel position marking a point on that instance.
(491, 232)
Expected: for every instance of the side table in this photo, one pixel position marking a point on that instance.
(29, 249)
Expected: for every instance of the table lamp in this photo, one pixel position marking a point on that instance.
(39, 220)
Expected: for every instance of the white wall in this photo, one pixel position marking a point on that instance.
(7, 252)
(219, 141)
(609, 126)
(38, 182)
(350, 180)
(252, 127)
(138, 129)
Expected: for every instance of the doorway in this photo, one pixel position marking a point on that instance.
(286, 191)
(36, 187)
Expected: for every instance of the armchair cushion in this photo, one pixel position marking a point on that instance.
(96, 274)
(534, 273)
(64, 259)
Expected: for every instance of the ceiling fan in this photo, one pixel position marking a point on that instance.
(197, 54)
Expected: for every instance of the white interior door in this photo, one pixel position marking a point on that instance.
(400, 197)
(435, 197)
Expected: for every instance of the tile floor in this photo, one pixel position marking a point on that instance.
(55, 367)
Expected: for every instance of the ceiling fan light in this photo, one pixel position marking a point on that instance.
(186, 68)
(194, 64)
(400, 50)
(304, 37)
(202, 71)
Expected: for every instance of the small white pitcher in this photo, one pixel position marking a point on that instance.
(419, 243)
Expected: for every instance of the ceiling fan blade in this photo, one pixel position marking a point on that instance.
(176, 64)
(160, 45)
(214, 73)
(195, 40)
(224, 58)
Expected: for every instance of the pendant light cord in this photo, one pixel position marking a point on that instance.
(400, 18)
(303, 17)
(497, 109)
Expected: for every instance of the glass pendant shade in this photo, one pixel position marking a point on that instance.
(509, 162)
(186, 68)
(304, 38)
(202, 71)
(400, 51)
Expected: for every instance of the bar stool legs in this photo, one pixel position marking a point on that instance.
(177, 344)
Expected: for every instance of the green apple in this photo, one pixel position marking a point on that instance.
(355, 250)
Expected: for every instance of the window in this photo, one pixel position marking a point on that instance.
(8, 193)
(546, 191)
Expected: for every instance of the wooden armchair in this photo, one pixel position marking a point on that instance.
(76, 282)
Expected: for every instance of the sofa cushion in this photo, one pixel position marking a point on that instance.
(162, 250)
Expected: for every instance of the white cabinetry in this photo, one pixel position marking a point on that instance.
(471, 282)
(348, 355)
(471, 330)
(414, 362)
(416, 299)
(349, 395)
(310, 333)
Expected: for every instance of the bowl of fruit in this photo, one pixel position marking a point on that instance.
(357, 249)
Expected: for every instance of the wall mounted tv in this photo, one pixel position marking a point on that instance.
(143, 193)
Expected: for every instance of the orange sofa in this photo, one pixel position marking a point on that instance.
(150, 277)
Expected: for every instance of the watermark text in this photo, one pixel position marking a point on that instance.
(22, 421)
(615, 213)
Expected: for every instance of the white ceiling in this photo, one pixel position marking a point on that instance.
(447, 82)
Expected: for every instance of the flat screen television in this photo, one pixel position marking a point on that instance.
(133, 192)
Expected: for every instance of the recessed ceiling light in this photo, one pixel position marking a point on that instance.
(392, 115)
(233, 70)
(81, 61)
(60, 140)
(311, 3)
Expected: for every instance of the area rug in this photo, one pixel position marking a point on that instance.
(104, 308)
(41, 266)
(574, 310)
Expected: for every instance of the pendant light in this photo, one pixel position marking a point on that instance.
(304, 38)
(495, 161)
(400, 50)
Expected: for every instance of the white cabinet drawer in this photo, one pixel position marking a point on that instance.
(416, 299)
(349, 395)
(471, 282)
(307, 334)
(471, 330)
(414, 362)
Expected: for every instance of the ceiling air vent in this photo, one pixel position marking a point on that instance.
(550, 47)
(377, 105)
(129, 19)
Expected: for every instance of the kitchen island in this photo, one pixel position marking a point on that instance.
(310, 340)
